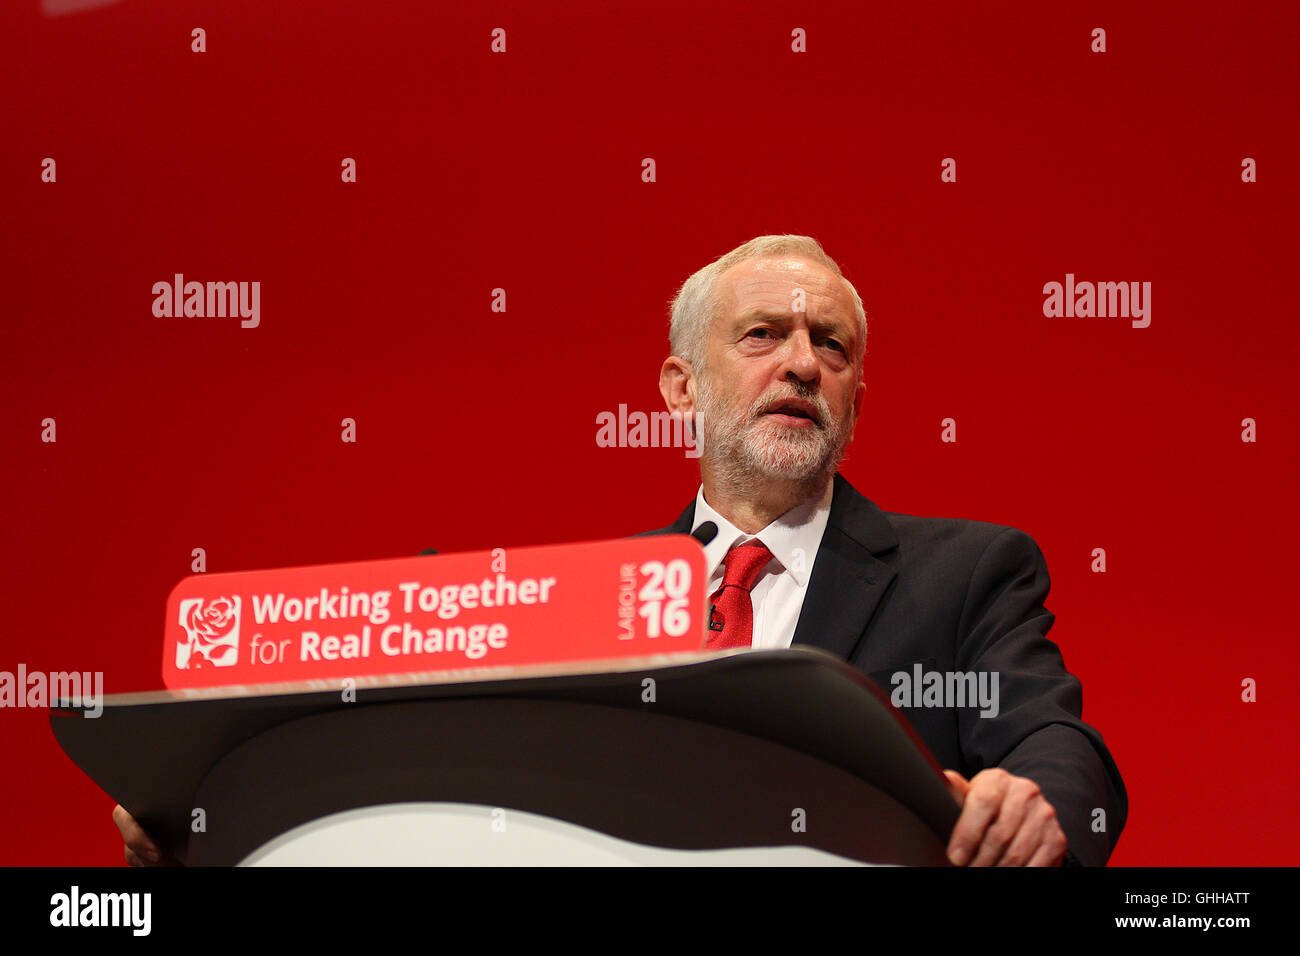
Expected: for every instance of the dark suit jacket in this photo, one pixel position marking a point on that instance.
(889, 590)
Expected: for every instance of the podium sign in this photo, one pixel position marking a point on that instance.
(593, 601)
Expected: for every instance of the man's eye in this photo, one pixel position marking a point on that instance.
(764, 333)
(835, 345)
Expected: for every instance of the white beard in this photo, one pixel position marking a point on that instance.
(749, 449)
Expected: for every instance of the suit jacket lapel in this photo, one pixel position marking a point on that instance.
(684, 522)
(848, 581)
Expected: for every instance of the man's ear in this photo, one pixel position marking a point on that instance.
(677, 385)
(859, 394)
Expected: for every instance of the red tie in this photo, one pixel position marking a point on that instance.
(731, 623)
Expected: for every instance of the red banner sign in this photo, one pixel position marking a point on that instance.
(575, 602)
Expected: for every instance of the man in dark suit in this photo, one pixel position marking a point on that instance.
(768, 345)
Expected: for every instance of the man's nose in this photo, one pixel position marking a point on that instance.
(800, 359)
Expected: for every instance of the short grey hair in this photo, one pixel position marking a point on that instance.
(696, 305)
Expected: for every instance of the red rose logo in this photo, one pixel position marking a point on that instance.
(212, 622)
(211, 637)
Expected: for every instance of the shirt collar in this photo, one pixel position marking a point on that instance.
(797, 531)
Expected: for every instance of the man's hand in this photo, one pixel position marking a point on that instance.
(140, 850)
(1005, 821)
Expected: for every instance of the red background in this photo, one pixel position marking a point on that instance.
(522, 171)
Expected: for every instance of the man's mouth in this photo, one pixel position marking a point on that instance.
(796, 412)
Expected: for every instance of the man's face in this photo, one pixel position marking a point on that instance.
(781, 388)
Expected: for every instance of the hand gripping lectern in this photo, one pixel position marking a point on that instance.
(736, 758)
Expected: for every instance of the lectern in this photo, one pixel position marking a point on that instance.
(733, 757)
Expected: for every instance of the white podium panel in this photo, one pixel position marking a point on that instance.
(462, 834)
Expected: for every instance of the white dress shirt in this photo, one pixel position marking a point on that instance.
(778, 593)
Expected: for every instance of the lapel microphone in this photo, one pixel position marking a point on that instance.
(705, 532)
